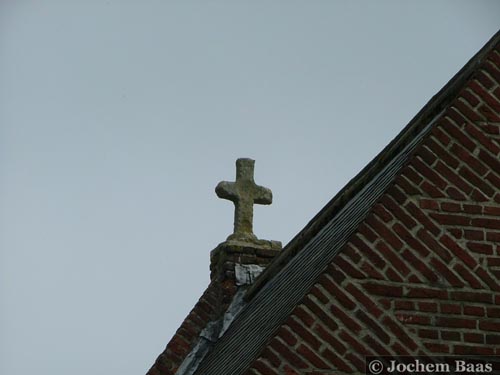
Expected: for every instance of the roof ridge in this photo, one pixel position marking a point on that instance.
(433, 107)
(309, 253)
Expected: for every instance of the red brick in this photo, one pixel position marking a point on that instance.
(370, 271)
(358, 347)
(478, 196)
(441, 136)
(449, 219)
(485, 96)
(400, 350)
(427, 306)
(411, 175)
(352, 254)
(398, 212)
(474, 337)
(320, 313)
(428, 334)
(493, 163)
(330, 339)
(493, 179)
(488, 325)
(312, 357)
(404, 305)
(493, 262)
(410, 240)
(393, 258)
(455, 131)
(413, 319)
(385, 233)
(472, 296)
(362, 298)
(337, 293)
(493, 312)
(397, 194)
(289, 355)
(455, 194)
(450, 308)
(263, 368)
(481, 248)
(467, 276)
(356, 361)
(485, 81)
(493, 339)
(437, 348)
(473, 310)
(419, 265)
(392, 275)
(471, 234)
(473, 179)
(444, 155)
(303, 314)
(444, 270)
(426, 292)
(458, 251)
(369, 234)
(374, 344)
(335, 360)
(433, 245)
(465, 111)
(451, 207)
(420, 216)
(316, 292)
(450, 335)
(287, 336)
(469, 97)
(374, 326)
(454, 179)
(303, 333)
(432, 190)
(455, 322)
(472, 350)
(345, 319)
(426, 155)
(485, 277)
(271, 357)
(400, 333)
(473, 208)
(376, 260)
(382, 213)
(383, 289)
(428, 174)
(429, 204)
(491, 210)
(348, 268)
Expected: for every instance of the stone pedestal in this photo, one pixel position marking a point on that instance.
(234, 263)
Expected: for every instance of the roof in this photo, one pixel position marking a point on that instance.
(291, 275)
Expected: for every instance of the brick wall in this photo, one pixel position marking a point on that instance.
(215, 300)
(421, 275)
(207, 309)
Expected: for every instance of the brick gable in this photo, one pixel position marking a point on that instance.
(422, 273)
(405, 260)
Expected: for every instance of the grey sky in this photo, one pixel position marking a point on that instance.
(118, 118)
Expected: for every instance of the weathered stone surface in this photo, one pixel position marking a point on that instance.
(244, 193)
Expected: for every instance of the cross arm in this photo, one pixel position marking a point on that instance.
(262, 195)
(226, 190)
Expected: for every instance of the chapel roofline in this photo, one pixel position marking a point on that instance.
(432, 109)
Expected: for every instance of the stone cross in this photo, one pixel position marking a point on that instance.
(244, 193)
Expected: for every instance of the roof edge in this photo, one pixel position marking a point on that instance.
(433, 107)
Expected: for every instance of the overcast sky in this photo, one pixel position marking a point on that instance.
(118, 118)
